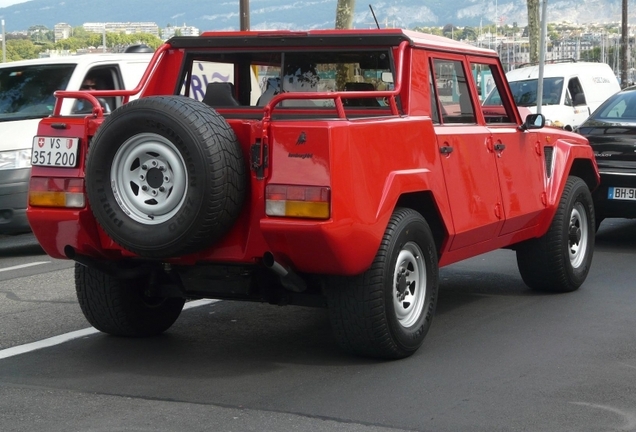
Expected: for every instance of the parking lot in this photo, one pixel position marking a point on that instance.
(498, 357)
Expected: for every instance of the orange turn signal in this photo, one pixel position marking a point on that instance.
(56, 192)
(297, 201)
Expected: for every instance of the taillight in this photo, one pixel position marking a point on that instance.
(297, 201)
(56, 192)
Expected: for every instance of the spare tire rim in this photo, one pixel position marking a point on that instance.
(409, 285)
(578, 235)
(149, 178)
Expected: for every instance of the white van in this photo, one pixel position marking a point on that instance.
(26, 96)
(571, 91)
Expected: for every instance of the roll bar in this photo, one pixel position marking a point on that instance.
(92, 95)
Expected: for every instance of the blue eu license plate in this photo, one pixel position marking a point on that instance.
(621, 193)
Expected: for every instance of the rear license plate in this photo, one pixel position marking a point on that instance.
(621, 193)
(54, 151)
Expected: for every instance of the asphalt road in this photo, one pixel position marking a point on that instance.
(499, 357)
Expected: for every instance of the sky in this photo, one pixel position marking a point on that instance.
(5, 3)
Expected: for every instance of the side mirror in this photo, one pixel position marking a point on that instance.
(533, 121)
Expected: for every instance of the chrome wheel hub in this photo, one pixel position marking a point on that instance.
(409, 285)
(149, 178)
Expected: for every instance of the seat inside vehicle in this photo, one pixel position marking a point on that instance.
(360, 86)
(219, 94)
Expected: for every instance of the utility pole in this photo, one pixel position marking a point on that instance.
(4, 45)
(244, 12)
(625, 47)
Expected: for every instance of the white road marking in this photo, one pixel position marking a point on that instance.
(628, 417)
(24, 266)
(60, 339)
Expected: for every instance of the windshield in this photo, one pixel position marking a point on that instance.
(27, 91)
(525, 92)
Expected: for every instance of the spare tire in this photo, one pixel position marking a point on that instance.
(165, 176)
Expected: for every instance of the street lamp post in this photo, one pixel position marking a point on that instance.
(544, 30)
(624, 46)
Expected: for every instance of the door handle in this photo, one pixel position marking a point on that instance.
(500, 147)
(446, 150)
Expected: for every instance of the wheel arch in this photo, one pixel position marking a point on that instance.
(424, 203)
(571, 158)
(586, 170)
(414, 189)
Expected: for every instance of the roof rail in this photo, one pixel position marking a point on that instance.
(564, 60)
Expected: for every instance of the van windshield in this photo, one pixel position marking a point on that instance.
(525, 92)
(27, 91)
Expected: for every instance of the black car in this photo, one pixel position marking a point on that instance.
(611, 130)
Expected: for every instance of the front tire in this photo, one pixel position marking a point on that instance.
(121, 307)
(387, 311)
(560, 260)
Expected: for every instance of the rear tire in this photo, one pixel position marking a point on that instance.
(120, 307)
(387, 311)
(560, 260)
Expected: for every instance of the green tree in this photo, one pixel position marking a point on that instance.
(449, 31)
(82, 39)
(21, 49)
(469, 33)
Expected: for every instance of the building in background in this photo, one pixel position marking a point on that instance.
(123, 27)
(169, 31)
(62, 31)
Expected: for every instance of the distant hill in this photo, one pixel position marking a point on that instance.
(300, 14)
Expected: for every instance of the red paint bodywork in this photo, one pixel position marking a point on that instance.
(369, 164)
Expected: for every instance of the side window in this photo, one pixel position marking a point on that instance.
(490, 84)
(452, 92)
(576, 91)
(99, 78)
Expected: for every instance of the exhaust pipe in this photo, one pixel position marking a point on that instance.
(288, 278)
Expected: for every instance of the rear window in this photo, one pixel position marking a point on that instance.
(619, 107)
(27, 92)
(250, 79)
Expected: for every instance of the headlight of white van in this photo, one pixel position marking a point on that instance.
(15, 159)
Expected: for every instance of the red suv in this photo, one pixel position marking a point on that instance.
(337, 169)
